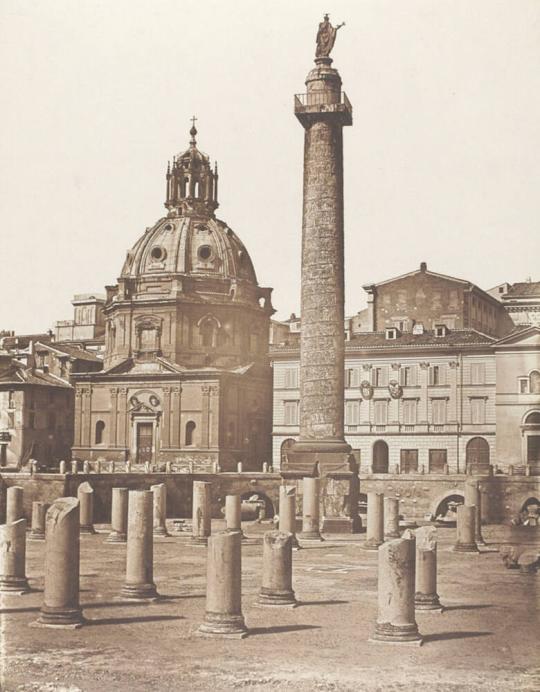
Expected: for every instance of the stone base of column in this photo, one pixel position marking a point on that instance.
(36, 535)
(371, 545)
(341, 525)
(87, 530)
(17, 586)
(396, 634)
(311, 536)
(223, 626)
(59, 618)
(161, 532)
(272, 599)
(427, 601)
(140, 592)
(199, 540)
(465, 548)
(116, 537)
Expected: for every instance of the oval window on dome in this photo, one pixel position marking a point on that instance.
(158, 253)
(168, 227)
(204, 252)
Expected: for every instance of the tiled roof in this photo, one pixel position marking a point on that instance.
(17, 374)
(524, 288)
(369, 340)
(74, 352)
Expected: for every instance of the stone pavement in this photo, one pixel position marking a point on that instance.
(486, 640)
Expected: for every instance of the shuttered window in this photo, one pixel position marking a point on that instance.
(478, 373)
(409, 411)
(352, 412)
(291, 378)
(438, 411)
(478, 411)
(291, 412)
(381, 412)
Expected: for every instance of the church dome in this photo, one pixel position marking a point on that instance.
(194, 245)
(190, 240)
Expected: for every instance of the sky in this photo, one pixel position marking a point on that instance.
(442, 162)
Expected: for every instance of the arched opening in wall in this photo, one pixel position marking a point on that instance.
(446, 512)
(380, 457)
(477, 452)
(530, 512)
(190, 433)
(197, 189)
(534, 382)
(100, 428)
(257, 505)
(286, 446)
(531, 428)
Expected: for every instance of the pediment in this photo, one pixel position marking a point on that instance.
(528, 336)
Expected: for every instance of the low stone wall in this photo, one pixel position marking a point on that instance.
(46, 487)
(420, 495)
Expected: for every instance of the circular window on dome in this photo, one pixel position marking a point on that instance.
(204, 252)
(158, 253)
(168, 227)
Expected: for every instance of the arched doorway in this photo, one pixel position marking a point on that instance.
(286, 445)
(446, 511)
(380, 457)
(531, 430)
(477, 452)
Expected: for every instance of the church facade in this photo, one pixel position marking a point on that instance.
(186, 375)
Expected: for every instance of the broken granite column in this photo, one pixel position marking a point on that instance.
(202, 511)
(39, 513)
(85, 495)
(13, 557)
(396, 620)
(375, 521)
(287, 512)
(426, 596)
(276, 589)
(465, 530)
(119, 516)
(223, 616)
(391, 517)
(61, 596)
(139, 584)
(14, 504)
(311, 509)
(473, 497)
(160, 509)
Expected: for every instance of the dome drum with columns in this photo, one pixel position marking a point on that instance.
(188, 324)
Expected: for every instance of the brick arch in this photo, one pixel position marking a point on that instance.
(440, 499)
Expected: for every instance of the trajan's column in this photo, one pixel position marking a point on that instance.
(321, 450)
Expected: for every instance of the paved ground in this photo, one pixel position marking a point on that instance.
(486, 640)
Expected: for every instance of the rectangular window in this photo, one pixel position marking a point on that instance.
(11, 419)
(381, 412)
(409, 411)
(291, 412)
(31, 421)
(478, 373)
(291, 378)
(11, 399)
(478, 411)
(352, 377)
(407, 376)
(408, 461)
(438, 411)
(437, 460)
(436, 375)
(524, 385)
(352, 412)
(380, 376)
